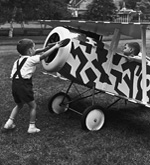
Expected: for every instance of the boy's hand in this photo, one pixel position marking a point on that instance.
(129, 58)
(49, 45)
(63, 43)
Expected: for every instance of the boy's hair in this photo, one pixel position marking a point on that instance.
(136, 47)
(24, 45)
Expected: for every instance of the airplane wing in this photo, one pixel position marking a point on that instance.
(101, 28)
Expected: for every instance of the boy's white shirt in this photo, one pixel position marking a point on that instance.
(28, 68)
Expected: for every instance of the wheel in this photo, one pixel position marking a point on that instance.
(59, 103)
(93, 118)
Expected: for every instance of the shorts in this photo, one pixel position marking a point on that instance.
(22, 90)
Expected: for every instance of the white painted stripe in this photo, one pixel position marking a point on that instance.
(133, 101)
(147, 105)
(110, 93)
(82, 21)
(124, 22)
(65, 21)
(137, 23)
(106, 22)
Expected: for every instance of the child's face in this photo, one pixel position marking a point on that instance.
(127, 50)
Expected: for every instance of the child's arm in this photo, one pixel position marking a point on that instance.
(56, 46)
(48, 52)
(40, 50)
(132, 58)
(135, 58)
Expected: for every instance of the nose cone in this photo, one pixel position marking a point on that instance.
(58, 58)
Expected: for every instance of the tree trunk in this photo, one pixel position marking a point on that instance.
(11, 29)
(22, 24)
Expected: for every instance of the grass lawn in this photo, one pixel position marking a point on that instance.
(124, 139)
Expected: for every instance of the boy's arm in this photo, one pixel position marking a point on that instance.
(40, 50)
(136, 59)
(48, 52)
(56, 46)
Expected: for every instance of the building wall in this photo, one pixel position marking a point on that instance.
(84, 4)
(116, 2)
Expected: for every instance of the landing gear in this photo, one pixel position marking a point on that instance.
(59, 103)
(93, 118)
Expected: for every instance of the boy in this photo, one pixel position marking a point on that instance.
(132, 52)
(21, 75)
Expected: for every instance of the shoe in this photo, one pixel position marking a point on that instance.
(9, 128)
(64, 42)
(33, 130)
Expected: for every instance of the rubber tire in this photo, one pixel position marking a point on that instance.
(54, 103)
(93, 118)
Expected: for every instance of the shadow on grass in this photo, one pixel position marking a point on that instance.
(133, 118)
(132, 122)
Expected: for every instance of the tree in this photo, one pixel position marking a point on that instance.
(8, 13)
(25, 10)
(131, 4)
(143, 5)
(100, 10)
(53, 9)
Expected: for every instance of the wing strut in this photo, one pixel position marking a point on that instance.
(112, 50)
(143, 35)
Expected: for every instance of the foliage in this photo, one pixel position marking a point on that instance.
(131, 4)
(100, 10)
(144, 6)
(6, 11)
(54, 9)
(22, 10)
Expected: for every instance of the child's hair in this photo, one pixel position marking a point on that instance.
(23, 46)
(136, 47)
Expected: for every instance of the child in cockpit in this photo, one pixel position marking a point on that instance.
(132, 52)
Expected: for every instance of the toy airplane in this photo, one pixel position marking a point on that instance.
(88, 61)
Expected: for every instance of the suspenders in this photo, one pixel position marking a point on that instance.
(19, 68)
